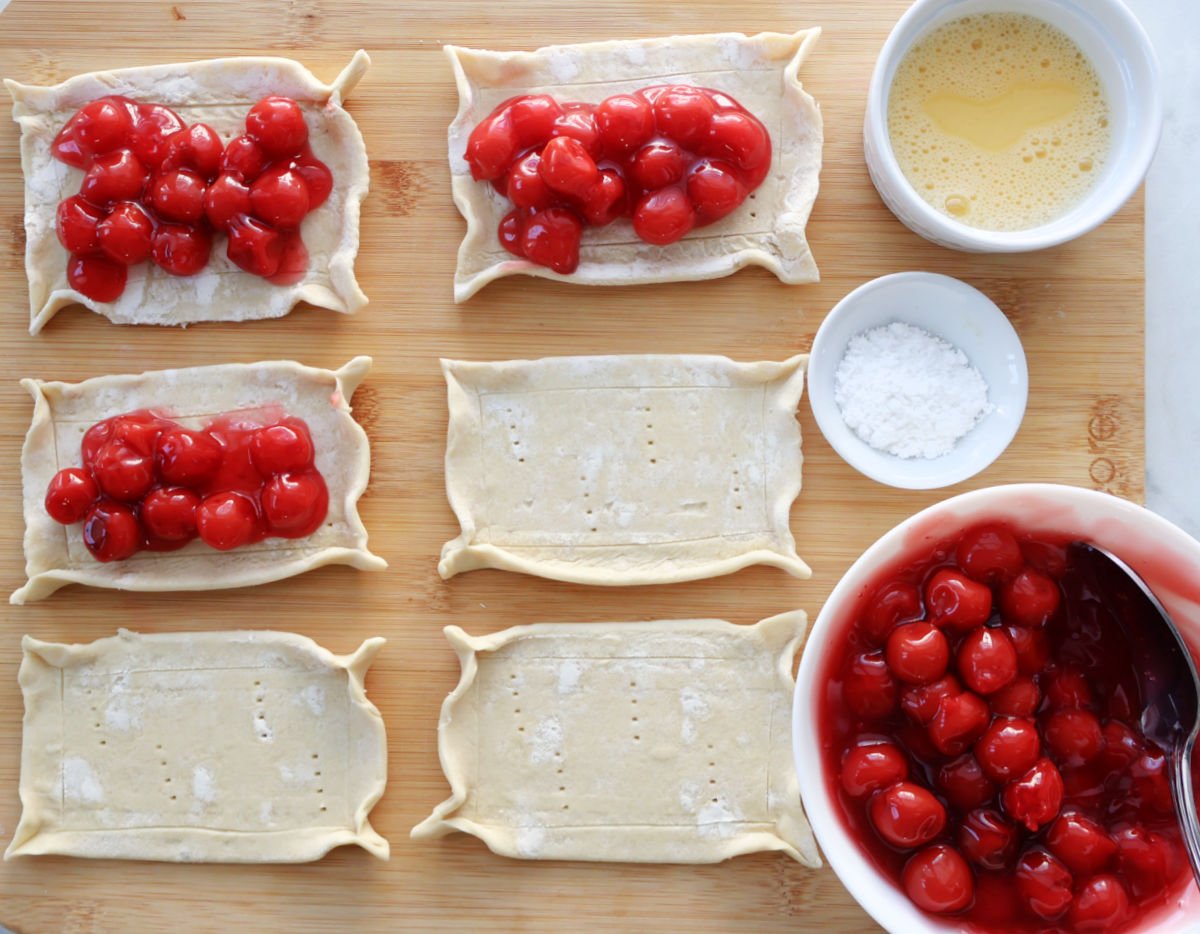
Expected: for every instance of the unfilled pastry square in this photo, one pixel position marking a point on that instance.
(624, 469)
(55, 555)
(632, 742)
(216, 92)
(760, 71)
(198, 747)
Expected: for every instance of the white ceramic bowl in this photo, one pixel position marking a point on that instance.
(955, 312)
(1124, 60)
(1166, 557)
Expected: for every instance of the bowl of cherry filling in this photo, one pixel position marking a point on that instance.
(967, 722)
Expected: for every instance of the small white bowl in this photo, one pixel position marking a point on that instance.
(1120, 50)
(1167, 558)
(949, 309)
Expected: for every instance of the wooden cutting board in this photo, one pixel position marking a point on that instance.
(1079, 310)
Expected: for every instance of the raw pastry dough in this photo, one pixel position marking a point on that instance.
(217, 92)
(55, 554)
(238, 747)
(640, 742)
(623, 469)
(761, 72)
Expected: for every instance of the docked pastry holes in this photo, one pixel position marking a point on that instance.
(55, 554)
(204, 747)
(761, 72)
(623, 470)
(640, 742)
(217, 92)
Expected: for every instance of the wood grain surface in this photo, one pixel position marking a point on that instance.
(1078, 309)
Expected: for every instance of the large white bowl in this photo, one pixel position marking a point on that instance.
(1119, 49)
(1165, 556)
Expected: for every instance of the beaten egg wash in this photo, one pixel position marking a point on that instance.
(999, 121)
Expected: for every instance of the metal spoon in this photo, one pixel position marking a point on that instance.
(1166, 672)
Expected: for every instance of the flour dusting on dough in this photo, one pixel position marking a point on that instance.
(530, 840)
(547, 740)
(314, 697)
(569, 673)
(80, 782)
(204, 787)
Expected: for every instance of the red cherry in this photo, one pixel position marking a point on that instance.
(96, 277)
(99, 126)
(181, 250)
(188, 458)
(294, 503)
(254, 246)
(740, 139)
(492, 146)
(987, 660)
(123, 473)
(114, 176)
(938, 879)
(1035, 798)
(244, 159)
(578, 121)
(685, 114)
(959, 721)
(715, 191)
(906, 815)
(225, 199)
(987, 839)
(1080, 843)
(317, 177)
(1049, 558)
(1073, 736)
(868, 688)
(957, 602)
(1044, 884)
(169, 513)
(533, 117)
(964, 784)
(75, 223)
(154, 124)
(277, 124)
(994, 907)
(1145, 859)
(551, 238)
(70, 494)
(279, 448)
(917, 653)
(663, 217)
(625, 121)
(871, 766)
(280, 197)
(893, 603)
(111, 531)
(1008, 748)
(510, 232)
(567, 167)
(604, 202)
(1067, 687)
(989, 553)
(1150, 784)
(1122, 746)
(921, 701)
(1029, 599)
(1101, 904)
(656, 165)
(525, 186)
(196, 147)
(125, 235)
(226, 520)
(1021, 697)
(138, 430)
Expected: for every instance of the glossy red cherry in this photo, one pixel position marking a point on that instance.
(196, 147)
(1150, 785)
(169, 513)
(111, 531)
(987, 660)
(224, 200)
(99, 126)
(317, 177)
(551, 238)
(1021, 697)
(894, 603)
(1145, 859)
(664, 216)
(956, 602)
(279, 197)
(906, 815)
(579, 122)
(1035, 798)
(959, 721)
(605, 201)
(964, 784)
(125, 235)
(986, 839)
(254, 246)
(180, 249)
(99, 278)
(294, 503)
(75, 223)
(277, 124)
(1101, 904)
(871, 766)
(1073, 736)
(938, 879)
(138, 430)
(533, 118)
(1032, 647)
(280, 448)
(1008, 748)
(188, 458)
(243, 159)
(684, 113)
(625, 122)
(917, 653)
(656, 165)
(714, 190)
(921, 701)
(1122, 746)
(1044, 884)
(153, 126)
(989, 553)
(525, 186)
(567, 167)
(1067, 687)
(1029, 599)
(123, 473)
(868, 689)
(114, 176)
(510, 231)
(1080, 843)
(70, 494)
(226, 520)
(491, 146)
(740, 139)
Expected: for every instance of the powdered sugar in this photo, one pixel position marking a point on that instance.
(907, 392)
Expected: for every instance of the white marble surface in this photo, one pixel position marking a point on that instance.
(1173, 270)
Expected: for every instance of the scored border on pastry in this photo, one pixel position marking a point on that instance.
(623, 470)
(217, 92)
(636, 742)
(55, 555)
(760, 71)
(198, 747)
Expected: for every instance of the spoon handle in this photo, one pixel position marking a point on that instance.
(1185, 801)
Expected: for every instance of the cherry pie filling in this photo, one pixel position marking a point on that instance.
(981, 735)
(148, 483)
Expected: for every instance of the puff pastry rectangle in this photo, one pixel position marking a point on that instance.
(760, 71)
(217, 92)
(55, 554)
(623, 469)
(635, 742)
(198, 747)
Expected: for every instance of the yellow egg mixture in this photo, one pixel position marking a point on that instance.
(999, 121)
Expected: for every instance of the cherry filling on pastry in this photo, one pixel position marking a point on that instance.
(148, 483)
(982, 738)
(155, 188)
(669, 157)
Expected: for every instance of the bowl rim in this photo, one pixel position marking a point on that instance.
(1105, 200)
(847, 859)
(829, 418)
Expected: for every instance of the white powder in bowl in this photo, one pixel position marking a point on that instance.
(907, 392)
